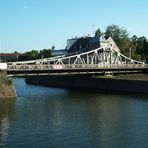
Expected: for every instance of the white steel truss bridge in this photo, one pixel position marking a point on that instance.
(100, 60)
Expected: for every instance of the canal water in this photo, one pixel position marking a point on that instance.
(42, 117)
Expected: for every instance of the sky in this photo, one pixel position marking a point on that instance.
(37, 24)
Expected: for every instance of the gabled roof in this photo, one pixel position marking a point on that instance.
(104, 39)
(82, 41)
(95, 39)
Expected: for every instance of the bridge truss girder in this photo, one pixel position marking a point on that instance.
(101, 58)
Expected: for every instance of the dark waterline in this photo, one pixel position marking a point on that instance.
(58, 118)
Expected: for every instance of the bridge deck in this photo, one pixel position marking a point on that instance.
(78, 70)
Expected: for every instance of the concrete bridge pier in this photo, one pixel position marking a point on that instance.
(7, 89)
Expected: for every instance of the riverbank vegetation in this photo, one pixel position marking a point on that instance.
(29, 55)
(134, 47)
(7, 89)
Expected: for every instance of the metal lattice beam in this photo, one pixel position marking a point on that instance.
(100, 57)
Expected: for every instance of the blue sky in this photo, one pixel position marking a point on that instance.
(38, 24)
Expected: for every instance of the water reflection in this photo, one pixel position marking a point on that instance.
(49, 117)
(7, 108)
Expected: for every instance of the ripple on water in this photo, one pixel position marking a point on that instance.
(58, 118)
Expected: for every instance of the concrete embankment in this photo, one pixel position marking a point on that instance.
(116, 83)
(7, 89)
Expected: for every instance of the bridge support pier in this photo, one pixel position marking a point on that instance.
(7, 89)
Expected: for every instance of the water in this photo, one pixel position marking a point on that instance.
(57, 118)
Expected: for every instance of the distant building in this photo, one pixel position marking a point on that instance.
(89, 43)
(83, 44)
(59, 52)
(106, 41)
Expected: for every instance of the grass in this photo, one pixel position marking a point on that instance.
(2, 87)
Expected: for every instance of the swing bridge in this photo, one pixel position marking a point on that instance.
(98, 61)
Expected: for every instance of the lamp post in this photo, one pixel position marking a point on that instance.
(130, 55)
(5, 58)
(17, 57)
(0, 49)
(130, 49)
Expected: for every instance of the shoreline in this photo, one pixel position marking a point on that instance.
(96, 83)
(7, 88)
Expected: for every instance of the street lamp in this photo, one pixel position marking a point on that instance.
(17, 57)
(130, 54)
(130, 49)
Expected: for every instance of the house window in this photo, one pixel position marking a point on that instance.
(83, 46)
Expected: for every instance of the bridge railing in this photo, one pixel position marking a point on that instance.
(83, 66)
(73, 66)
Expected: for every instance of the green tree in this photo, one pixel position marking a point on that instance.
(120, 36)
(32, 55)
(142, 43)
(53, 47)
(98, 32)
(133, 42)
(133, 47)
(45, 53)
